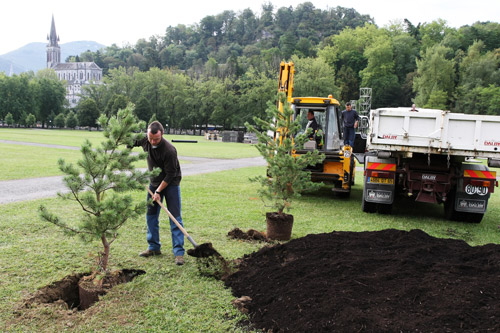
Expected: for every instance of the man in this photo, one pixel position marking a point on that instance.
(162, 154)
(312, 124)
(351, 119)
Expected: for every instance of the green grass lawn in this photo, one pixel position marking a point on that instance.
(20, 162)
(204, 148)
(171, 298)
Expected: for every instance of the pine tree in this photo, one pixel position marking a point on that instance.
(9, 119)
(287, 177)
(100, 182)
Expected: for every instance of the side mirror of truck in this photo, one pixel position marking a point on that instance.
(364, 122)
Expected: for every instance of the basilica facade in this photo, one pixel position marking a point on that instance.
(75, 74)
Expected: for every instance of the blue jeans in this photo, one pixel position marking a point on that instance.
(349, 136)
(172, 195)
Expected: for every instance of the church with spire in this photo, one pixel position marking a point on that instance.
(75, 74)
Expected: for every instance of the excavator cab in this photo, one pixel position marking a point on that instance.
(327, 115)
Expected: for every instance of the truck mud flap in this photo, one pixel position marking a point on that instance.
(378, 195)
(471, 203)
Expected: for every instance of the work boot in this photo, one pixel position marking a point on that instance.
(179, 260)
(149, 253)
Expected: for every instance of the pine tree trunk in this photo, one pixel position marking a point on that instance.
(105, 255)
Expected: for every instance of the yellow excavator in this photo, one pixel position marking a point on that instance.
(338, 167)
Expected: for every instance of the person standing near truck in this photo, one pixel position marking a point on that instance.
(162, 154)
(351, 119)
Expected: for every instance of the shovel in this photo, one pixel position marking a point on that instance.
(204, 250)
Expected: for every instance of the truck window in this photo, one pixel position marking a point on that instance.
(333, 133)
(319, 114)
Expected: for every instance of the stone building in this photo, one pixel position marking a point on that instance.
(76, 74)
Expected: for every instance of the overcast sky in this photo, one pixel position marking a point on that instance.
(121, 22)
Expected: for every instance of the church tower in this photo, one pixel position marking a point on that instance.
(53, 49)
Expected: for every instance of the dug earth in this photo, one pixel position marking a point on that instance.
(383, 281)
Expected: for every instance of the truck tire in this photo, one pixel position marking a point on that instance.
(385, 209)
(449, 207)
(368, 207)
(352, 171)
(471, 217)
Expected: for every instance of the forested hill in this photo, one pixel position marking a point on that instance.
(274, 34)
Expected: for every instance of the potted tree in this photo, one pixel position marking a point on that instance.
(99, 184)
(286, 175)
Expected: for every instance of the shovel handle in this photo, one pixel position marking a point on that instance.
(174, 219)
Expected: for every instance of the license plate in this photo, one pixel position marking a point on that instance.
(381, 180)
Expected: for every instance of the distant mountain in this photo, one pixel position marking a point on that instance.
(33, 56)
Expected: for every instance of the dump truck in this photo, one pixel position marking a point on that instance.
(431, 156)
(338, 167)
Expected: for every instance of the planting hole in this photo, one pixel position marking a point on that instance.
(67, 290)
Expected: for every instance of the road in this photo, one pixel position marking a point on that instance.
(37, 188)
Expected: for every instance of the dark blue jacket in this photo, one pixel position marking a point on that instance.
(350, 118)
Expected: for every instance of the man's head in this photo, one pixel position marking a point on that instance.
(310, 115)
(155, 133)
(348, 106)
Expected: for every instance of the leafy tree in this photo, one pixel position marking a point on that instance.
(143, 109)
(30, 120)
(88, 113)
(9, 120)
(173, 94)
(17, 96)
(434, 73)
(108, 174)
(479, 68)
(225, 102)
(153, 81)
(490, 100)
(98, 92)
(119, 102)
(287, 44)
(59, 120)
(433, 33)
(314, 78)
(379, 73)
(349, 83)
(256, 88)
(71, 121)
(51, 95)
(438, 99)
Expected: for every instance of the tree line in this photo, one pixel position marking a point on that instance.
(223, 69)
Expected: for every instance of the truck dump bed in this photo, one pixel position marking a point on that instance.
(434, 131)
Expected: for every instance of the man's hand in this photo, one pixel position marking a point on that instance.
(156, 196)
(356, 124)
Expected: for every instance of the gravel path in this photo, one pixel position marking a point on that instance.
(36, 188)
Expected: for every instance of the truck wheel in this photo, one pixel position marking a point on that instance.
(385, 209)
(368, 207)
(471, 217)
(352, 171)
(449, 208)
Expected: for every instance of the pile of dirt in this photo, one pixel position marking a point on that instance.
(384, 281)
(250, 235)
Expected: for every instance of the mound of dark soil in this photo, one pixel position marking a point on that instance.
(384, 281)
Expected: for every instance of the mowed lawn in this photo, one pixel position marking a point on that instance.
(34, 253)
(42, 161)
